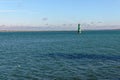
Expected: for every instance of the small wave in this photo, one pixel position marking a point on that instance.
(80, 56)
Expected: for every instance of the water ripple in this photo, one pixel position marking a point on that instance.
(80, 56)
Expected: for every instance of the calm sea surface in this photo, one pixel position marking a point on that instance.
(92, 55)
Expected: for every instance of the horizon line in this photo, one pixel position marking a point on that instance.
(55, 30)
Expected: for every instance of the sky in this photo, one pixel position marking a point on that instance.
(59, 14)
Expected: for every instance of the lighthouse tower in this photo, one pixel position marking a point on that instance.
(79, 28)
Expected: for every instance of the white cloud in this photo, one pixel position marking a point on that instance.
(7, 11)
(45, 19)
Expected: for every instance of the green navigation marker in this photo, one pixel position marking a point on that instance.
(79, 28)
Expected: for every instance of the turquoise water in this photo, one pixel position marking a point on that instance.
(92, 55)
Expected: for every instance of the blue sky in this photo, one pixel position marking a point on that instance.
(63, 14)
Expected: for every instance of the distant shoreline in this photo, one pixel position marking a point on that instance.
(54, 30)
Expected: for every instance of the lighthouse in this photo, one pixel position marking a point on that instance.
(79, 28)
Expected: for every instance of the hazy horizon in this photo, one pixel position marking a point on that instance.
(59, 15)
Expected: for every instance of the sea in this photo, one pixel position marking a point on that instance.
(60, 55)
